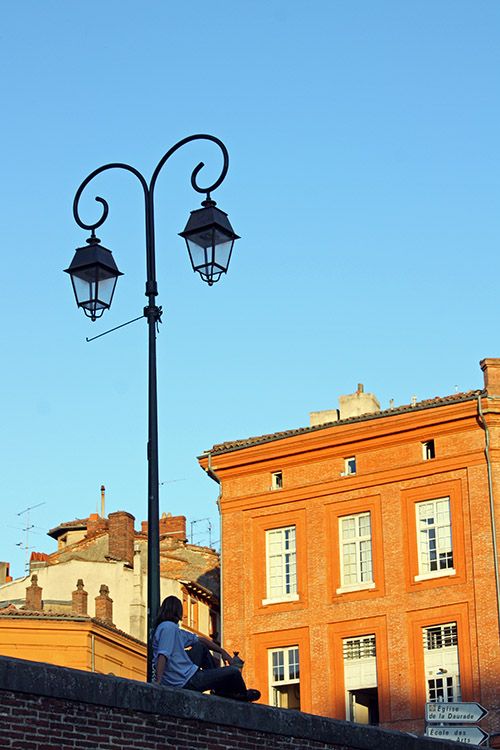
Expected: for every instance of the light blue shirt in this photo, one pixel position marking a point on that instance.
(171, 641)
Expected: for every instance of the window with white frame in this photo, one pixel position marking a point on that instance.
(428, 450)
(435, 550)
(284, 677)
(355, 544)
(281, 562)
(277, 480)
(360, 679)
(349, 465)
(441, 663)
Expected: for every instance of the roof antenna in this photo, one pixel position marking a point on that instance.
(27, 530)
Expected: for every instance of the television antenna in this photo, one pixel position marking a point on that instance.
(27, 528)
(209, 526)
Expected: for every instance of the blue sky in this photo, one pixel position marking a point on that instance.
(365, 183)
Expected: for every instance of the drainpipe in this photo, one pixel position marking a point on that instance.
(492, 505)
(92, 652)
(212, 474)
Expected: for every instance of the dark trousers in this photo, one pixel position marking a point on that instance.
(224, 681)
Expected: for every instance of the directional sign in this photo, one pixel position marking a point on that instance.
(454, 713)
(467, 735)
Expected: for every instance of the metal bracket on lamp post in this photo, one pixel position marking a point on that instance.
(153, 314)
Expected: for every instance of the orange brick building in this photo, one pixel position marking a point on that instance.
(360, 576)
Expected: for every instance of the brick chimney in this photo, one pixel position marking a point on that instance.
(79, 599)
(174, 527)
(34, 595)
(121, 536)
(95, 524)
(104, 605)
(491, 373)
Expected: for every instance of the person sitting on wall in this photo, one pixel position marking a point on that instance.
(194, 669)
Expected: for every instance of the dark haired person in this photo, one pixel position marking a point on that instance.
(175, 668)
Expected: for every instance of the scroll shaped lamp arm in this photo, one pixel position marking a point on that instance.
(105, 211)
(199, 167)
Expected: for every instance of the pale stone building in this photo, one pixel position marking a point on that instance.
(108, 551)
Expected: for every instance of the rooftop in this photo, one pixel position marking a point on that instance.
(430, 403)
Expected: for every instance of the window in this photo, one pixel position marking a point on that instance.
(189, 611)
(284, 677)
(428, 450)
(193, 614)
(359, 648)
(435, 552)
(355, 537)
(276, 480)
(360, 678)
(281, 559)
(349, 466)
(441, 664)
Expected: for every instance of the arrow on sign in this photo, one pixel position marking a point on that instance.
(455, 713)
(467, 735)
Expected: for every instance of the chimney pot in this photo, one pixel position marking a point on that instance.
(79, 599)
(34, 595)
(104, 605)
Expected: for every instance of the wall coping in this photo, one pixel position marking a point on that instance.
(41, 679)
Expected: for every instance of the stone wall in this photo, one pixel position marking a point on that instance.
(43, 707)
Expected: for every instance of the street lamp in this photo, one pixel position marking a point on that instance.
(209, 238)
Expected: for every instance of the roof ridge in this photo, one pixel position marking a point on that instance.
(419, 405)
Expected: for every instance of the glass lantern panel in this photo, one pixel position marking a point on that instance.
(84, 289)
(105, 289)
(200, 255)
(223, 253)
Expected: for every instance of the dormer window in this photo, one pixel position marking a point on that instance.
(276, 480)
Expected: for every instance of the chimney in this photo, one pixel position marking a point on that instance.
(34, 595)
(121, 536)
(323, 417)
(79, 599)
(104, 605)
(5, 576)
(103, 501)
(352, 405)
(173, 527)
(38, 560)
(359, 403)
(95, 524)
(491, 373)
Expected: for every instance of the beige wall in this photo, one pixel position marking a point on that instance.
(127, 589)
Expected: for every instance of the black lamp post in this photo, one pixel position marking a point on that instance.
(210, 239)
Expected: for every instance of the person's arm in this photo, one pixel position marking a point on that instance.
(215, 647)
(160, 667)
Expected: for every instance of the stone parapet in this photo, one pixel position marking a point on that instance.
(43, 706)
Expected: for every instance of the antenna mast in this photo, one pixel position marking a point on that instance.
(27, 530)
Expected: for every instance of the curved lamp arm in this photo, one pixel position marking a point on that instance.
(105, 211)
(149, 191)
(199, 167)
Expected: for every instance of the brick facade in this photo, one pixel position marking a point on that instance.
(49, 708)
(393, 478)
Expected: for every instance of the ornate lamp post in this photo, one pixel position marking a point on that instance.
(94, 273)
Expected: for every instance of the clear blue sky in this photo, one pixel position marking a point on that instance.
(364, 181)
